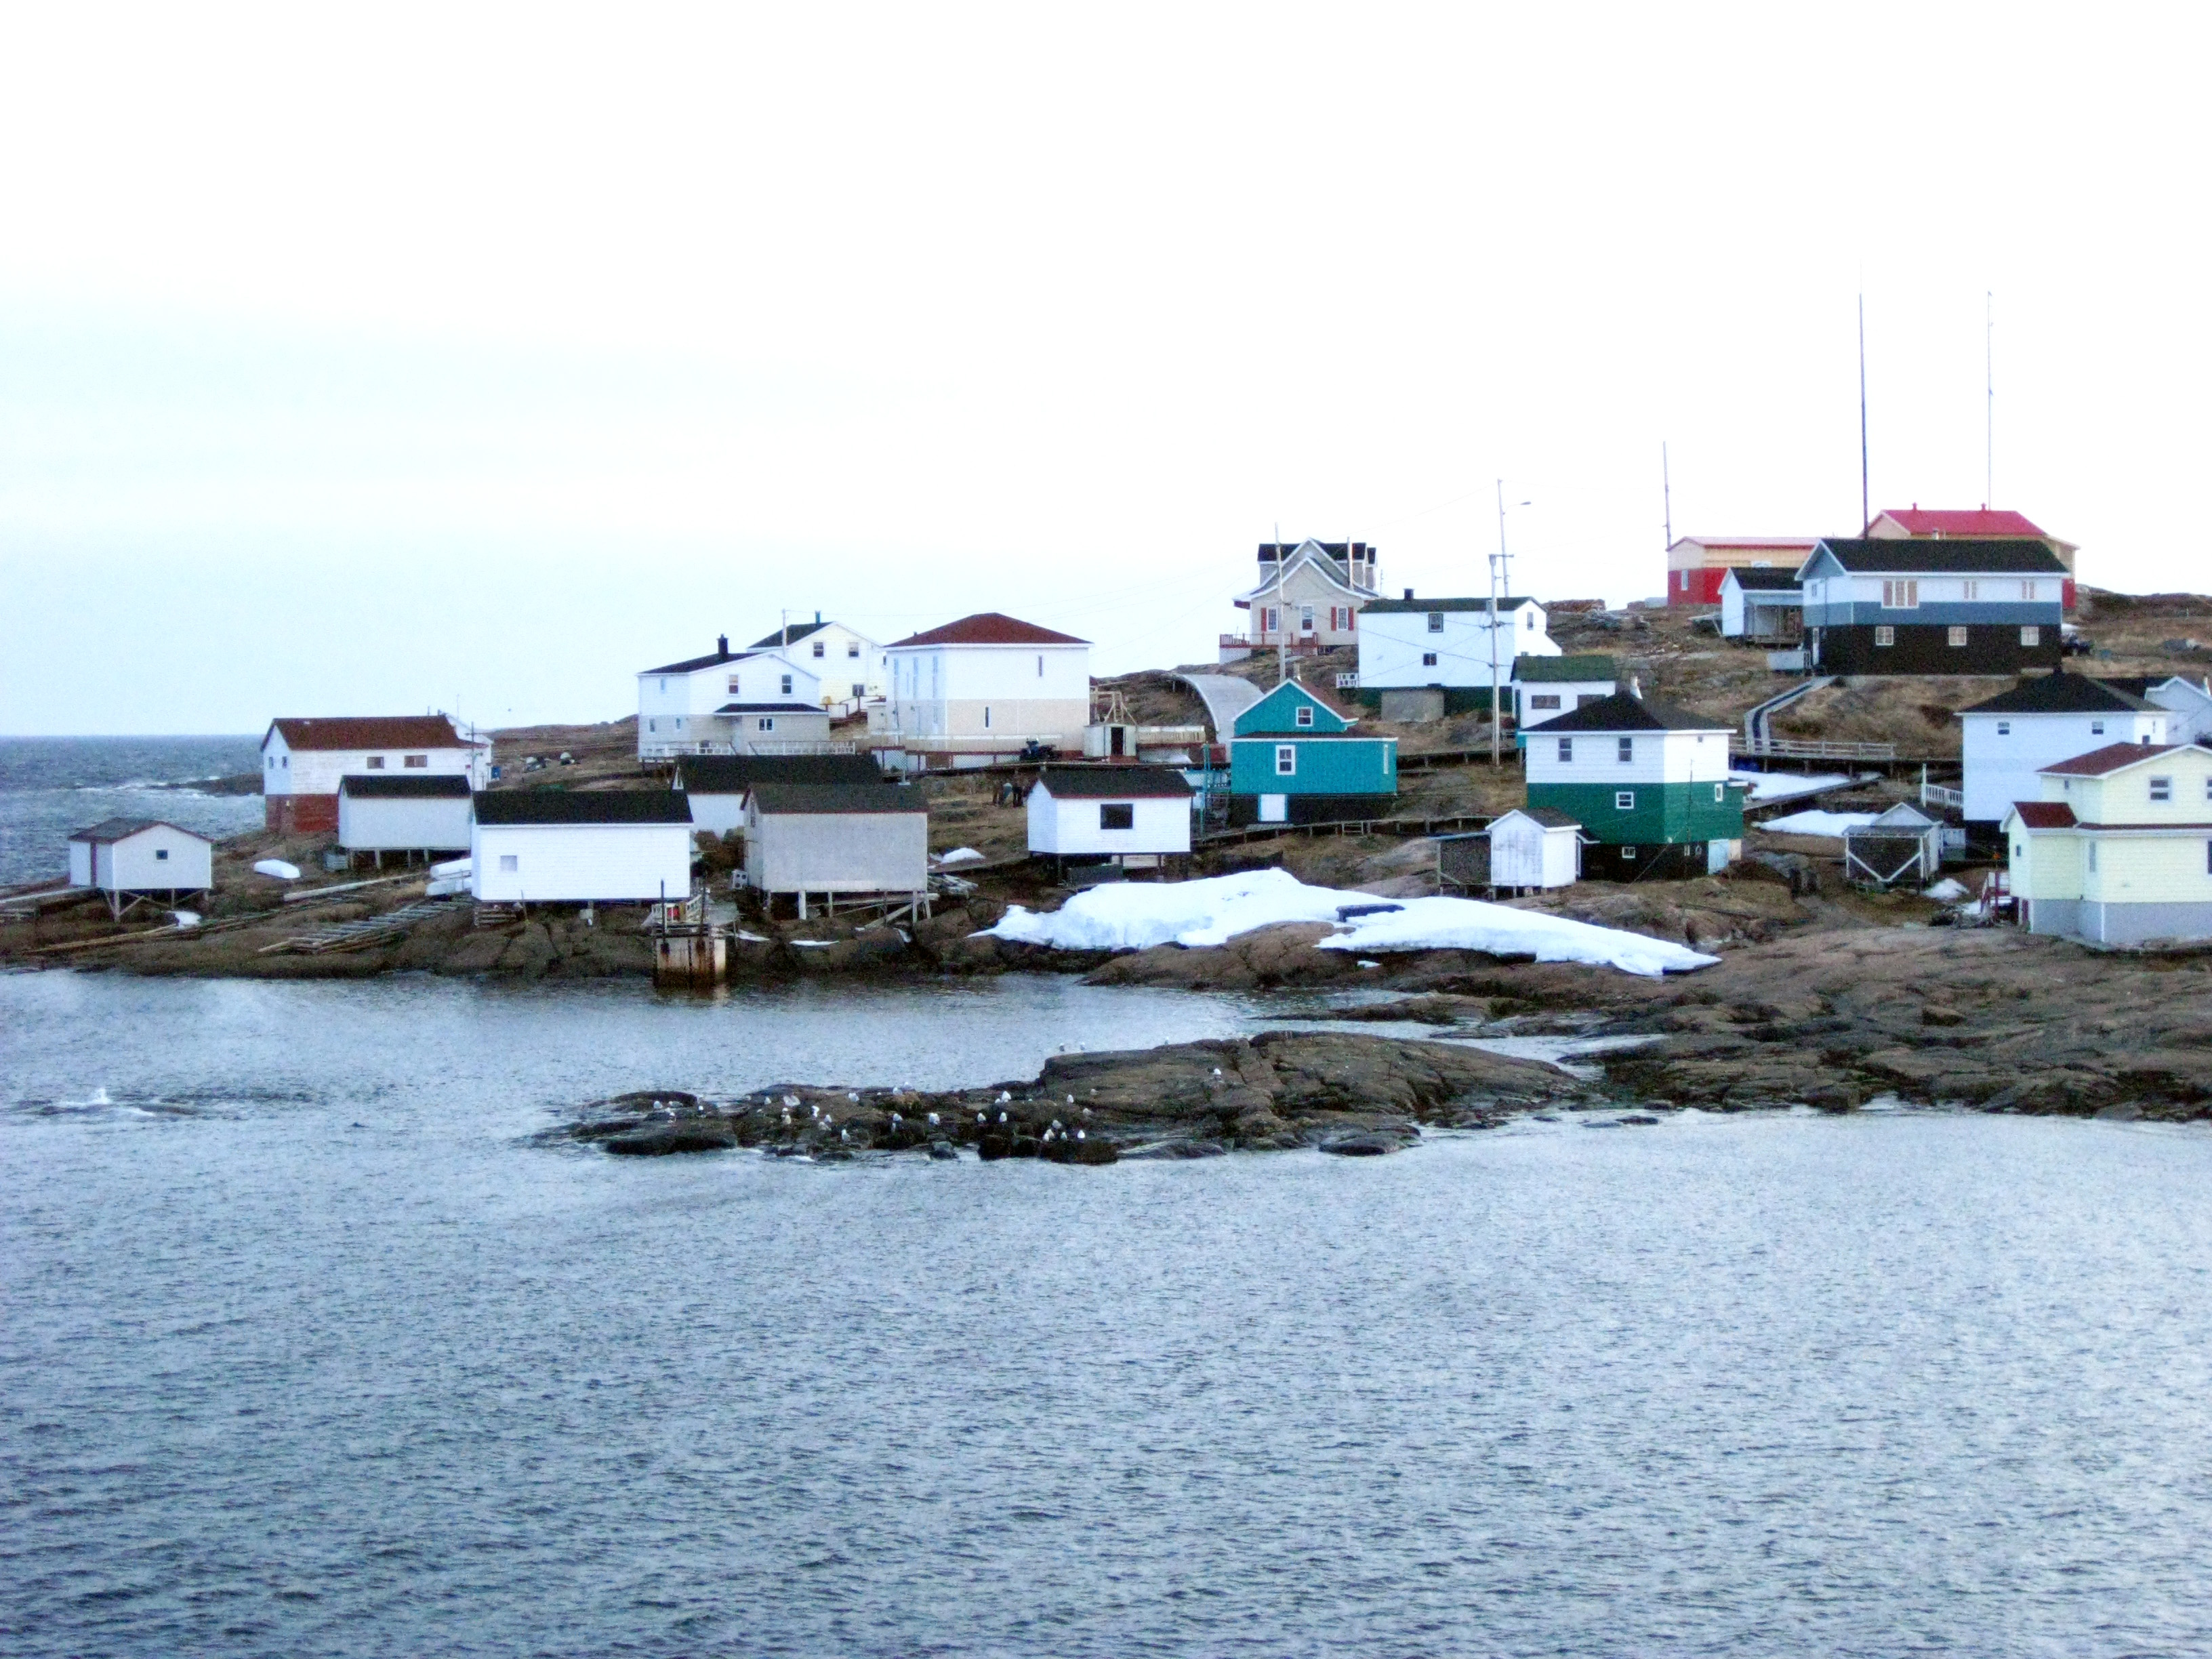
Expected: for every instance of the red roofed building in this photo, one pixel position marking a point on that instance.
(304, 761)
(2118, 850)
(986, 688)
(1697, 565)
(1980, 523)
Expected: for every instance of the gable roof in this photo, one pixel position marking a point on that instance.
(732, 774)
(1114, 782)
(1955, 521)
(693, 665)
(2059, 693)
(782, 637)
(1763, 577)
(1550, 817)
(1272, 715)
(2112, 757)
(1624, 711)
(1556, 671)
(2142, 685)
(527, 806)
(1331, 559)
(2011, 556)
(810, 798)
(369, 732)
(115, 830)
(1415, 607)
(1904, 815)
(2045, 814)
(988, 628)
(400, 786)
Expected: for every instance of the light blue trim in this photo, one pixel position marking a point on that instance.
(1980, 613)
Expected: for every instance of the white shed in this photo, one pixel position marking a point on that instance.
(718, 785)
(1094, 814)
(836, 839)
(1535, 847)
(129, 858)
(1902, 845)
(559, 845)
(404, 815)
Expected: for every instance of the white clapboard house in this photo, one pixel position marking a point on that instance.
(578, 847)
(1445, 646)
(986, 688)
(304, 761)
(718, 786)
(1763, 604)
(404, 813)
(2187, 702)
(2007, 740)
(127, 860)
(848, 663)
(1136, 817)
(836, 841)
(731, 703)
(1545, 687)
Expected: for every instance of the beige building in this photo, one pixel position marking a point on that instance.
(2118, 850)
(980, 689)
(1309, 597)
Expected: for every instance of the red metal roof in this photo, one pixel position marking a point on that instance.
(2111, 759)
(370, 732)
(1951, 521)
(2045, 814)
(988, 628)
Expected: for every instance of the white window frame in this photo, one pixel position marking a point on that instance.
(1624, 800)
(1435, 622)
(1884, 635)
(1305, 716)
(1106, 806)
(2096, 728)
(1955, 634)
(1428, 659)
(1900, 593)
(1566, 751)
(1544, 699)
(2161, 791)
(821, 648)
(1625, 750)
(785, 682)
(1970, 590)
(766, 723)
(2004, 728)
(375, 763)
(852, 648)
(1305, 619)
(1286, 760)
(2030, 636)
(2093, 857)
(509, 863)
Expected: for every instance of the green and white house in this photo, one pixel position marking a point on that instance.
(1544, 688)
(1649, 784)
(1292, 759)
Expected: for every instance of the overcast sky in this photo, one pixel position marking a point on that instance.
(373, 361)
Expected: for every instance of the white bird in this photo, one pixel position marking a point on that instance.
(1217, 1070)
(1081, 1135)
(791, 1100)
(1002, 1118)
(933, 1120)
(850, 1095)
(1004, 1097)
(1086, 1111)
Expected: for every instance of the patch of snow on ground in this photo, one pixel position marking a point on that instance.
(278, 868)
(1818, 823)
(186, 918)
(960, 855)
(1781, 785)
(1137, 915)
(1949, 891)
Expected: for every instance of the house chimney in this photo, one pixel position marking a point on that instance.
(722, 644)
(1409, 594)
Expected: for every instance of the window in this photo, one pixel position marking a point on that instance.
(376, 762)
(653, 725)
(509, 863)
(1040, 666)
(1529, 618)
(787, 684)
(1628, 852)
(161, 854)
(416, 762)
(1286, 760)
(2096, 728)
(1548, 700)
(270, 761)
(852, 648)
(1885, 637)
(1428, 659)
(679, 722)
(2162, 789)
(1624, 800)
(1305, 619)
(987, 717)
(1435, 622)
(2004, 728)
(663, 685)
(858, 689)
(766, 723)
(820, 648)
(1267, 623)
(1627, 746)
(1900, 595)
(284, 761)
(1955, 636)
(2030, 636)
(1970, 590)
(1567, 748)
(2093, 858)
(2028, 591)
(1117, 815)
(1305, 716)
(1720, 793)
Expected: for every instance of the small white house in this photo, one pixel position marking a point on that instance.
(303, 762)
(1762, 604)
(718, 784)
(128, 859)
(1534, 847)
(382, 813)
(730, 702)
(2008, 740)
(1447, 643)
(848, 663)
(1544, 688)
(835, 840)
(980, 689)
(583, 846)
(1124, 815)
(2187, 702)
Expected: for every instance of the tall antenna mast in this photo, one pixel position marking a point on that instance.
(1866, 511)
(1667, 493)
(1989, 401)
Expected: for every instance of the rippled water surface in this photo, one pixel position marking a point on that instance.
(51, 786)
(304, 1353)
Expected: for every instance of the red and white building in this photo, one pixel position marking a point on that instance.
(1697, 565)
(304, 761)
(1980, 524)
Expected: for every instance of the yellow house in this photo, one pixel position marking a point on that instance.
(2119, 849)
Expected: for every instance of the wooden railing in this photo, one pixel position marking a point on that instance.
(1810, 749)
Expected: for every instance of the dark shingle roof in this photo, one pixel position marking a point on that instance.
(2013, 556)
(1550, 817)
(768, 708)
(1764, 578)
(809, 798)
(692, 664)
(1415, 607)
(1110, 783)
(1544, 671)
(2059, 693)
(781, 637)
(114, 829)
(732, 774)
(1625, 712)
(400, 786)
(583, 806)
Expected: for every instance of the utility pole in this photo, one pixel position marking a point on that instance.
(1866, 511)
(1667, 497)
(1282, 615)
(1989, 401)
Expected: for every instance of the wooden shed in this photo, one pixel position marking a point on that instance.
(836, 841)
(576, 847)
(130, 859)
(1904, 845)
(426, 813)
(1534, 847)
(718, 785)
(1125, 815)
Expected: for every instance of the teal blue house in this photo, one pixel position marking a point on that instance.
(1292, 759)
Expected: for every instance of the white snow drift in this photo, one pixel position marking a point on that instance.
(1818, 823)
(1134, 916)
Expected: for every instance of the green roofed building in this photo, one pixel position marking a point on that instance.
(1544, 688)
(1649, 784)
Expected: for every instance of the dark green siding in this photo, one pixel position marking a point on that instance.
(1663, 811)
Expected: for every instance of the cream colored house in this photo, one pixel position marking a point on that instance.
(980, 689)
(1309, 597)
(2118, 850)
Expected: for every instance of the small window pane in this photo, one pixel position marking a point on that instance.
(1117, 815)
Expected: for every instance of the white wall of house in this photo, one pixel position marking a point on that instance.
(2002, 753)
(1538, 701)
(1395, 646)
(2189, 709)
(575, 863)
(1850, 589)
(1759, 612)
(848, 665)
(288, 771)
(155, 860)
(1524, 853)
(1073, 826)
(379, 824)
(676, 712)
(837, 851)
(1003, 696)
(1653, 758)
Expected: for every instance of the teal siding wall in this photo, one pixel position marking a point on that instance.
(1326, 766)
(1278, 712)
(1663, 812)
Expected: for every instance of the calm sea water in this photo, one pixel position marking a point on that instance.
(305, 1353)
(50, 786)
